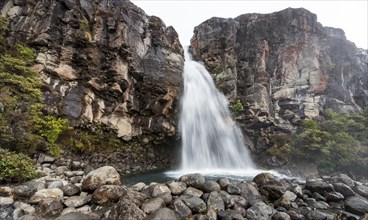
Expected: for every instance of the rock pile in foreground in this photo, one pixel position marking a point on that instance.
(67, 192)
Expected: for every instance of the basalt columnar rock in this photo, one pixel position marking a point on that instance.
(103, 63)
(282, 67)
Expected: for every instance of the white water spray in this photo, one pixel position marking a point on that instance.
(211, 140)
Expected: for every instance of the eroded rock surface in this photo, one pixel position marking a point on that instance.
(283, 67)
(103, 63)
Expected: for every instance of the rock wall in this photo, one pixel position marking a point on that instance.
(283, 67)
(104, 63)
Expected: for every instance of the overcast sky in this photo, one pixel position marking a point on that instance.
(351, 16)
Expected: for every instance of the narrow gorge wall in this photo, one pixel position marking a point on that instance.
(283, 67)
(103, 62)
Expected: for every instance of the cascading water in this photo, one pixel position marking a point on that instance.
(210, 138)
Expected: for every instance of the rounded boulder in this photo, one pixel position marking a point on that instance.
(106, 175)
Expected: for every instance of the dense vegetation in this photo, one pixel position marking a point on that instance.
(337, 143)
(24, 126)
(15, 167)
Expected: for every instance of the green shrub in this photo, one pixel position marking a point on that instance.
(25, 54)
(84, 31)
(237, 107)
(281, 146)
(24, 127)
(337, 143)
(334, 144)
(3, 23)
(50, 127)
(15, 167)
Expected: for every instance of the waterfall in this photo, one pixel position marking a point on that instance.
(211, 140)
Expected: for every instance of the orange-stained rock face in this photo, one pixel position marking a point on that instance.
(284, 67)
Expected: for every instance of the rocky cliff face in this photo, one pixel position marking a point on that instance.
(103, 62)
(283, 67)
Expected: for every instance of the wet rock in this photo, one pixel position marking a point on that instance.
(316, 204)
(195, 204)
(344, 189)
(250, 192)
(334, 197)
(106, 175)
(77, 201)
(215, 202)
(318, 196)
(49, 207)
(152, 205)
(194, 180)
(272, 192)
(362, 190)
(163, 213)
(70, 190)
(108, 193)
(264, 178)
(230, 188)
(210, 186)
(190, 191)
(223, 182)
(47, 193)
(177, 188)
(259, 211)
(182, 209)
(318, 185)
(343, 178)
(356, 205)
